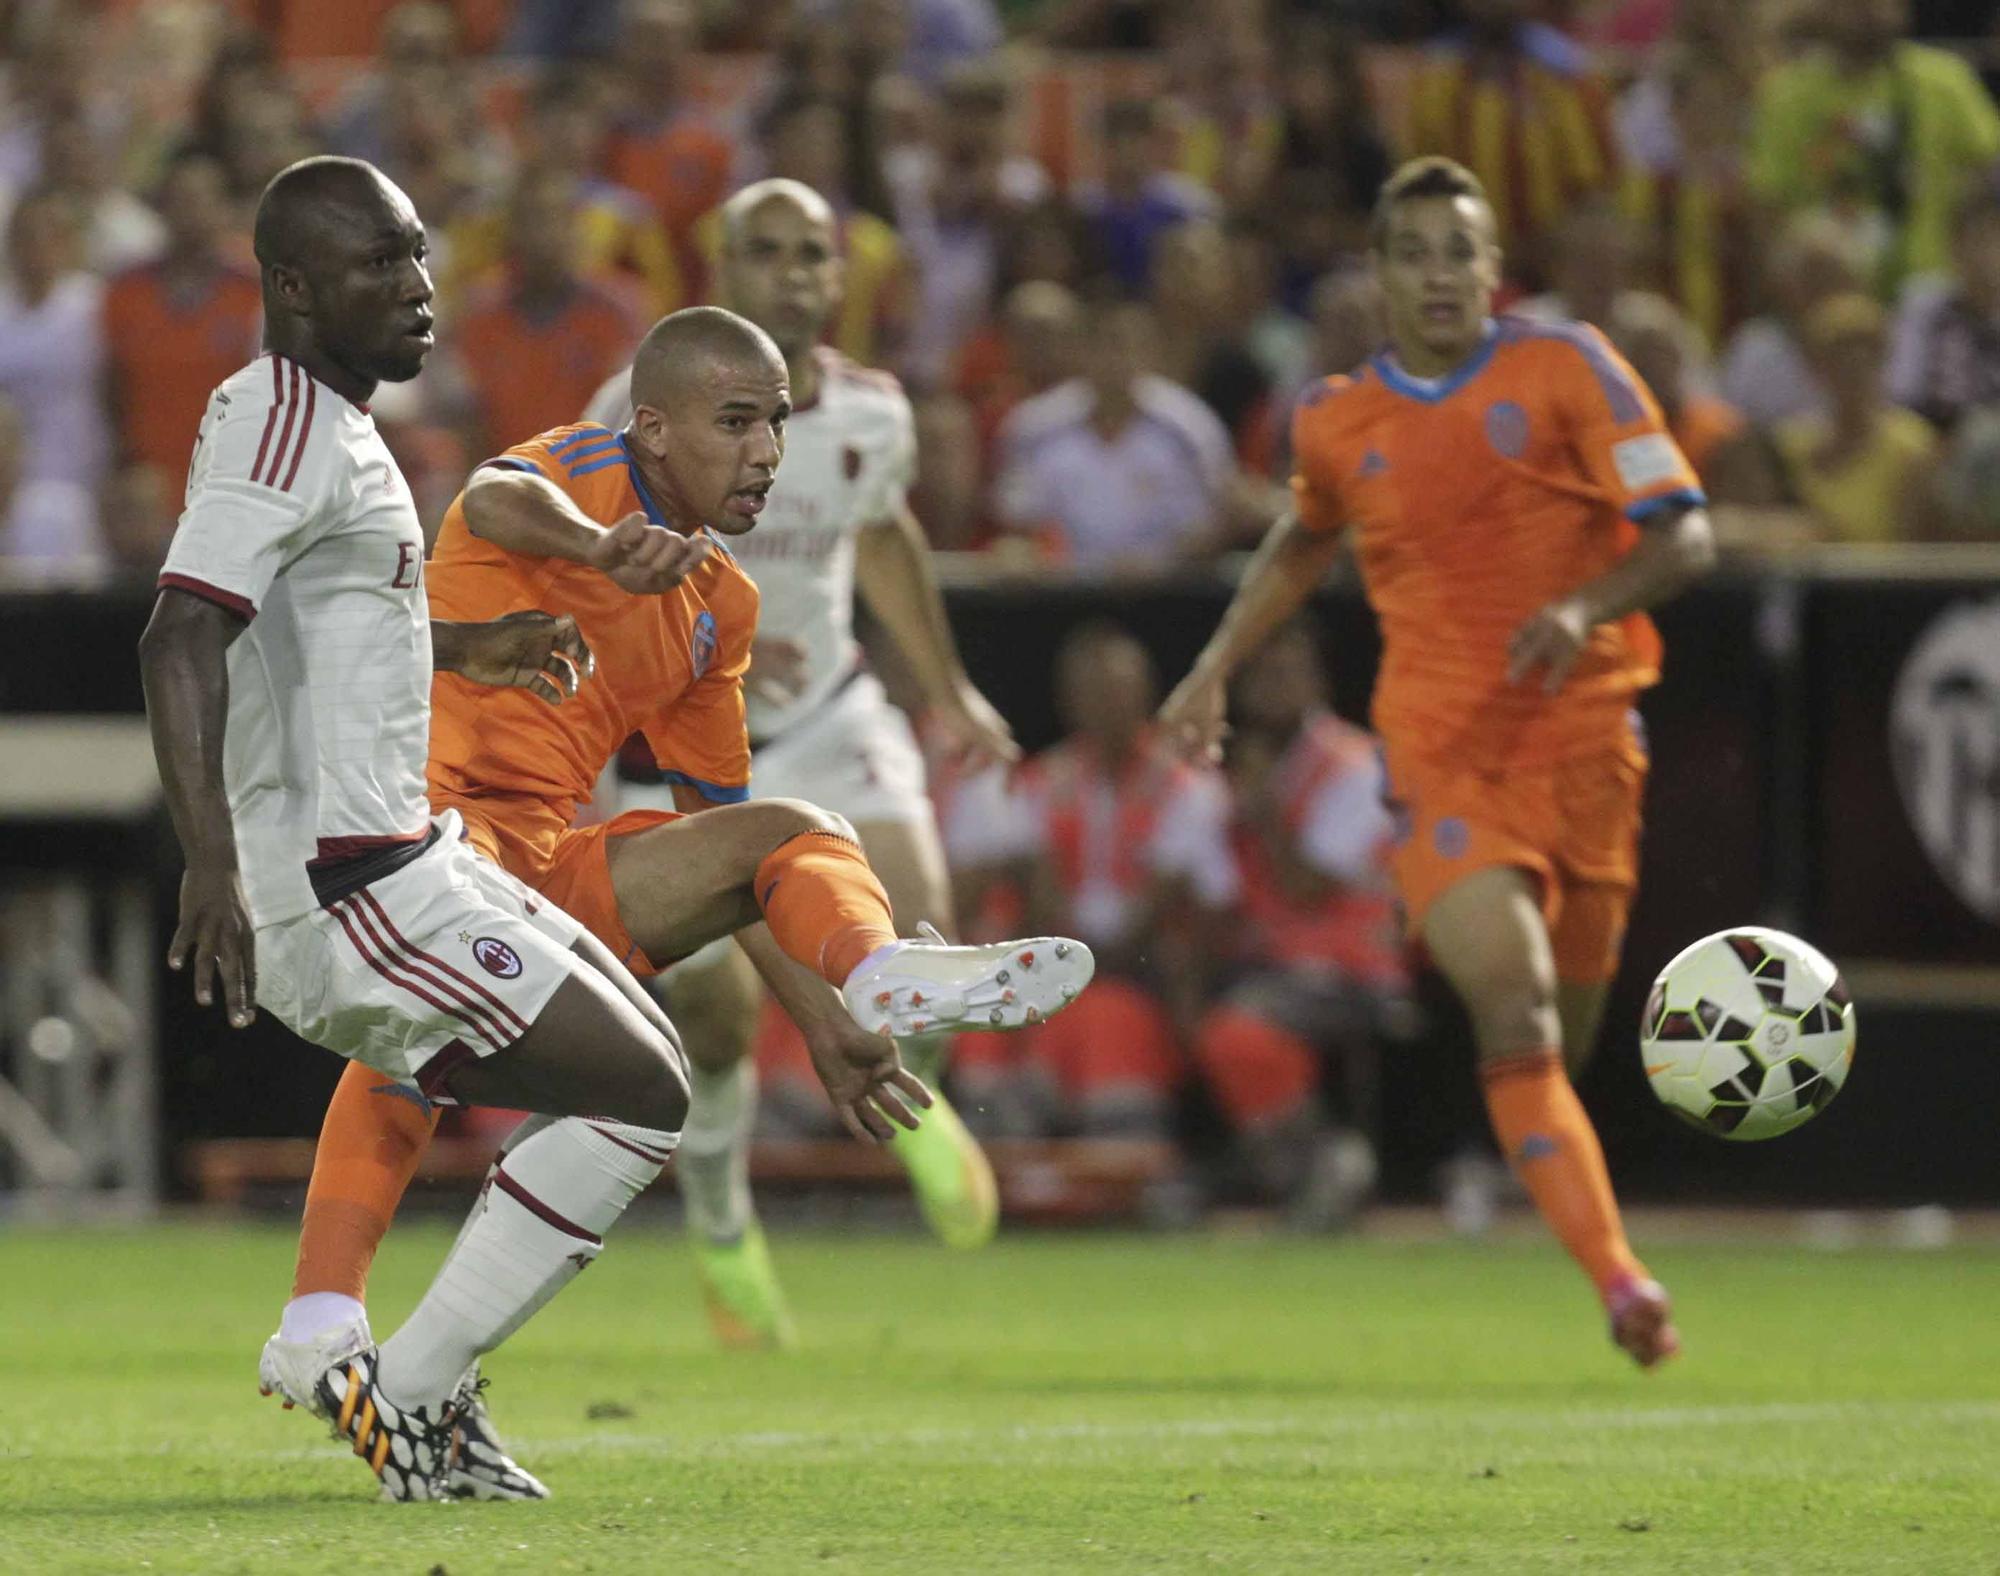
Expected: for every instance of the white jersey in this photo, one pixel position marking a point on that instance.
(849, 458)
(298, 520)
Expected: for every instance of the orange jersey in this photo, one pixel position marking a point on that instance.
(1477, 499)
(169, 351)
(668, 666)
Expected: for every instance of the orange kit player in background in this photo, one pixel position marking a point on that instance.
(620, 528)
(1515, 502)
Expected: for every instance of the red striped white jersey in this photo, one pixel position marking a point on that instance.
(298, 521)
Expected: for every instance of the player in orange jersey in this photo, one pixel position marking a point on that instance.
(624, 530)
(1514, 503)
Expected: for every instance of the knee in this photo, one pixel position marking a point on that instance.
(663, 1097)
(788, 818)
(1512, 1015)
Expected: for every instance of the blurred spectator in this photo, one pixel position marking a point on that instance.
(1315, 957)
(1764, 370)
(60, 70)
(418, 44)
(48, 528)
(1199, 339)
(1277, 338)
(1866, 469)
(1347, 328)
(178, 327)
(616, 228)
(936, 35)
(564, 29)
(1887, 133)
(1111, 835)
(1589, 258)
(1661, 346)
(119, 230)
(955, 205)
(1331, 146)
(803, 138)
(1129, 471)
(52, 368)
(1029, 352)
(1223, 108)
(538, 341)
(1682, 131)
(248, 117)
(1944, 356)
(1520, 105)
(661, 146)
(1140, 197)
(949, 494)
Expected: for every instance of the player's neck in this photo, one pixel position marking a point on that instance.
(1424, 361)
(284, 339)
(660, 488)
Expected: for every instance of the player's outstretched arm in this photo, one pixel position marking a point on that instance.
(1284, 571)
(530, 515)
(538, 652)
(1673, 552)
(183, 664)
(892, 570)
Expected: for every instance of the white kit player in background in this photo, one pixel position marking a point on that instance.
(822, 727)
(287, 670)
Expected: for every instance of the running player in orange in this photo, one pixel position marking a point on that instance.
(624, 531)
(1515, 504)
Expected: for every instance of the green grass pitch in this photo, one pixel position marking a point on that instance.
(1054, 1404)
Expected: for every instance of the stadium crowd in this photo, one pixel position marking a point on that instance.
(1104, 244)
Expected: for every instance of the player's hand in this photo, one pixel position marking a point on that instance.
(644, 558)
(216, 935)
(537, 652)
(777, 672)
(975, 735)
(1196, 717)
(1552, 640)
(867, 1082)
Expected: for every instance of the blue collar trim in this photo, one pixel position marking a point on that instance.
(638, 484)
(1431, 390)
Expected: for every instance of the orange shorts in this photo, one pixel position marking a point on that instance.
(1574, 826)
(566, 864)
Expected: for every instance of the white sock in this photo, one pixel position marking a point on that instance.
(317, 1312)
(713, 1166)
(548, 1201)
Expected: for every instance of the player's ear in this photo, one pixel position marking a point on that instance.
(289, 285)
(649, 430)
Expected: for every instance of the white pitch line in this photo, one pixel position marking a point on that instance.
(1485, 1423)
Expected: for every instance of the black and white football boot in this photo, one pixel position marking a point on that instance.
(480, 1467)
(407, 1449)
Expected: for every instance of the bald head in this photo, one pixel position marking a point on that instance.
(306, 200)
(753, 199)
(692, 347)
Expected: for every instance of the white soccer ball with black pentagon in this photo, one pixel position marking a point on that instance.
(1748, 1033)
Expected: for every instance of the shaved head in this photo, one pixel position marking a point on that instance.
(306, 199)
(813, 207)
(687, 349)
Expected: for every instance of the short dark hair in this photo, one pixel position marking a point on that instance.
(1426, 177)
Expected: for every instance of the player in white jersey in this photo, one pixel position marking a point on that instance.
(287, 670)
(836, 522)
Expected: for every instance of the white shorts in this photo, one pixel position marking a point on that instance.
(447, 958)
(856, 756)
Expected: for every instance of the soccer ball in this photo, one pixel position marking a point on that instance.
(1748, 1033)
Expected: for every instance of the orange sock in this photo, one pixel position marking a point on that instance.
(823, 903)
(1552, 1147)
(374, 1135)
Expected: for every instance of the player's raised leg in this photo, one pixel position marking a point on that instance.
(1487, 936)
